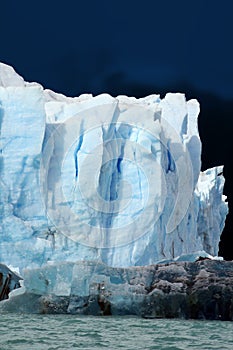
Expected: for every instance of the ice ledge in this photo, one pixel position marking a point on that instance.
(197, 290)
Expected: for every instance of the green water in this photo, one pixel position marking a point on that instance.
(50, 332)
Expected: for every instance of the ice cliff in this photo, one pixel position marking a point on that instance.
(113, 180)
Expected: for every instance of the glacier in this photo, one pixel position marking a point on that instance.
(116, 181)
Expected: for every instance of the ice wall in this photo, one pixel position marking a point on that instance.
(100, 178)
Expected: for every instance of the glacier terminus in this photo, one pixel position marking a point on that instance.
(111, 180)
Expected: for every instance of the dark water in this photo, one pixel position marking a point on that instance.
(28, 332)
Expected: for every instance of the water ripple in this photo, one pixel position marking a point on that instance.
(55, 332)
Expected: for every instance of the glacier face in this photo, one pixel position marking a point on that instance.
(99, 178)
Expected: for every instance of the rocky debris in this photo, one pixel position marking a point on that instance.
(200, 290)
(197, 290)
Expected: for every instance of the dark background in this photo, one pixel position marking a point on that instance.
(134, 48)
